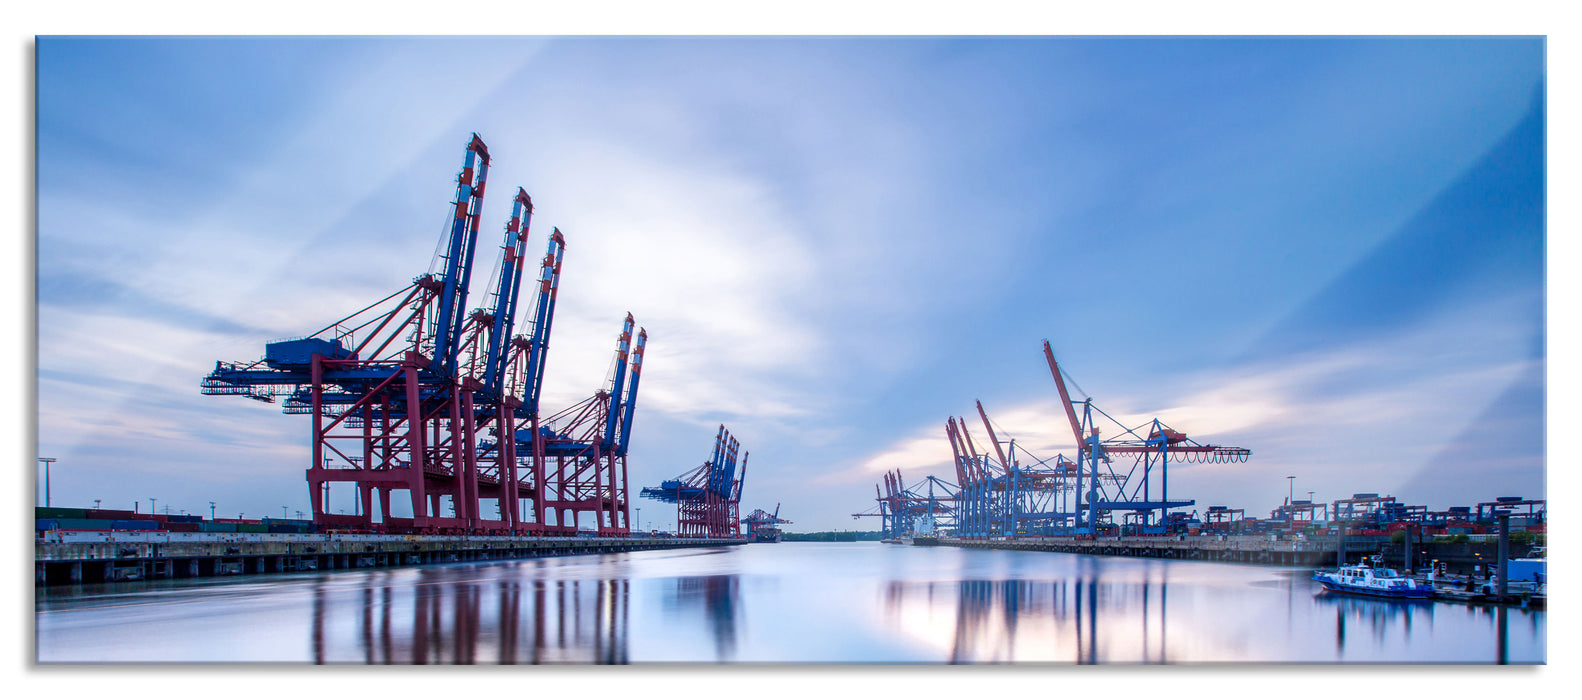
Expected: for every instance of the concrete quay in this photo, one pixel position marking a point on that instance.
(1244, 549)
(100, 558)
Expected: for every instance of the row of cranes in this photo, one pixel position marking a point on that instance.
(413, 394)
(708, 497)
(1003, 490)
(761, 524)
(922, 509)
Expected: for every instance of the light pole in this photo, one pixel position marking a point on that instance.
(152, 503)
(47, 461)
(282, 512)
(639, 519)
(96, 503)
(211, 511)
(1290, 502)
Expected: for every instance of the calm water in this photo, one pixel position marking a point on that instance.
(789, 602)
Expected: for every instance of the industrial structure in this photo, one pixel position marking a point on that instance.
(907, 511)
(1004, 490)
(709, 496)
(414, 394)
(1150, 447)
(761, 525)
(1007, 491)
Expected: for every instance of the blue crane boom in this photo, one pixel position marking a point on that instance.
(506, 294)
(543, 320)
(458, 256)
(631, 392)
(623, 347)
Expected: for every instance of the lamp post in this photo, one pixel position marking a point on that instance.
(47, 461)
(211, 511)
(152, 503)
(1290, 498)
(639, 519)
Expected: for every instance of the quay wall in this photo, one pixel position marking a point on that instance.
(1249, 549)
(67, 558)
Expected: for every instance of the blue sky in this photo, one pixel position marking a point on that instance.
(1330, 251)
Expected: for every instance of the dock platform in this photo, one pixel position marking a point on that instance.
(101, 558)
(1239, 549)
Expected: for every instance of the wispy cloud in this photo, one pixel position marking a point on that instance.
(1359, 417)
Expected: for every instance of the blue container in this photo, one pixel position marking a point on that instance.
(216, 527)
(134, 525)
(45, 524)
(79, 524)
(299, 353)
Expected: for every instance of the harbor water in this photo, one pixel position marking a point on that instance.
(767, 603)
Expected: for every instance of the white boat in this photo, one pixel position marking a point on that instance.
(1362, 579)
(1533, 567)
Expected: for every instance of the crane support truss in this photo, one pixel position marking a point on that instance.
(708, 497)
(1151, 447)
(907, 511)
(761, 523)
(1003, 495)
(410, 394)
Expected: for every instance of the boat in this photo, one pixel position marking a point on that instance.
(1361, 579)
(766, 534)
(1533, 567)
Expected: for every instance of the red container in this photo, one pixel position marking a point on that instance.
(180, 527)
(150, 516)
(111, 514)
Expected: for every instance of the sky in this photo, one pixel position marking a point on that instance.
(1330, 251)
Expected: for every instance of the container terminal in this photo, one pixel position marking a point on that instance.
(430, 415)
(1114, 499)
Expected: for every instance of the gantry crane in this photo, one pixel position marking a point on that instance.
(707, 497)
(1152, 446)
(761, 525)
(410, 394)
(1000, 494)
(906, 511)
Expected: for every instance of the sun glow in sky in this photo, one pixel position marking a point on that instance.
(1330, 251)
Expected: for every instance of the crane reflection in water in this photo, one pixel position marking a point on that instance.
(445, 617)
(1011, 620)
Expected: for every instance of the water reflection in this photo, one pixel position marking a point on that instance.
(718, 598)
(794, 603)
(999, 621)
(1377, 615)
(443, 619)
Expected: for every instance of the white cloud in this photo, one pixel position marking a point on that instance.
(1362, 417)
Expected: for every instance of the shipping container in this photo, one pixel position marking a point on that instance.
(252, 527)
(180, 527)
(134, 525)
(151, 517)
(286, 521)
(44, 524)
(216, 527)
(111, 514)
(80, 524)
(186, 518)
(42, 512)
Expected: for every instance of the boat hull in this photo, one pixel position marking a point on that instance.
(1417, 593)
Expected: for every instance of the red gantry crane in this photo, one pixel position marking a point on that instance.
(708, 497)
(409, 394)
